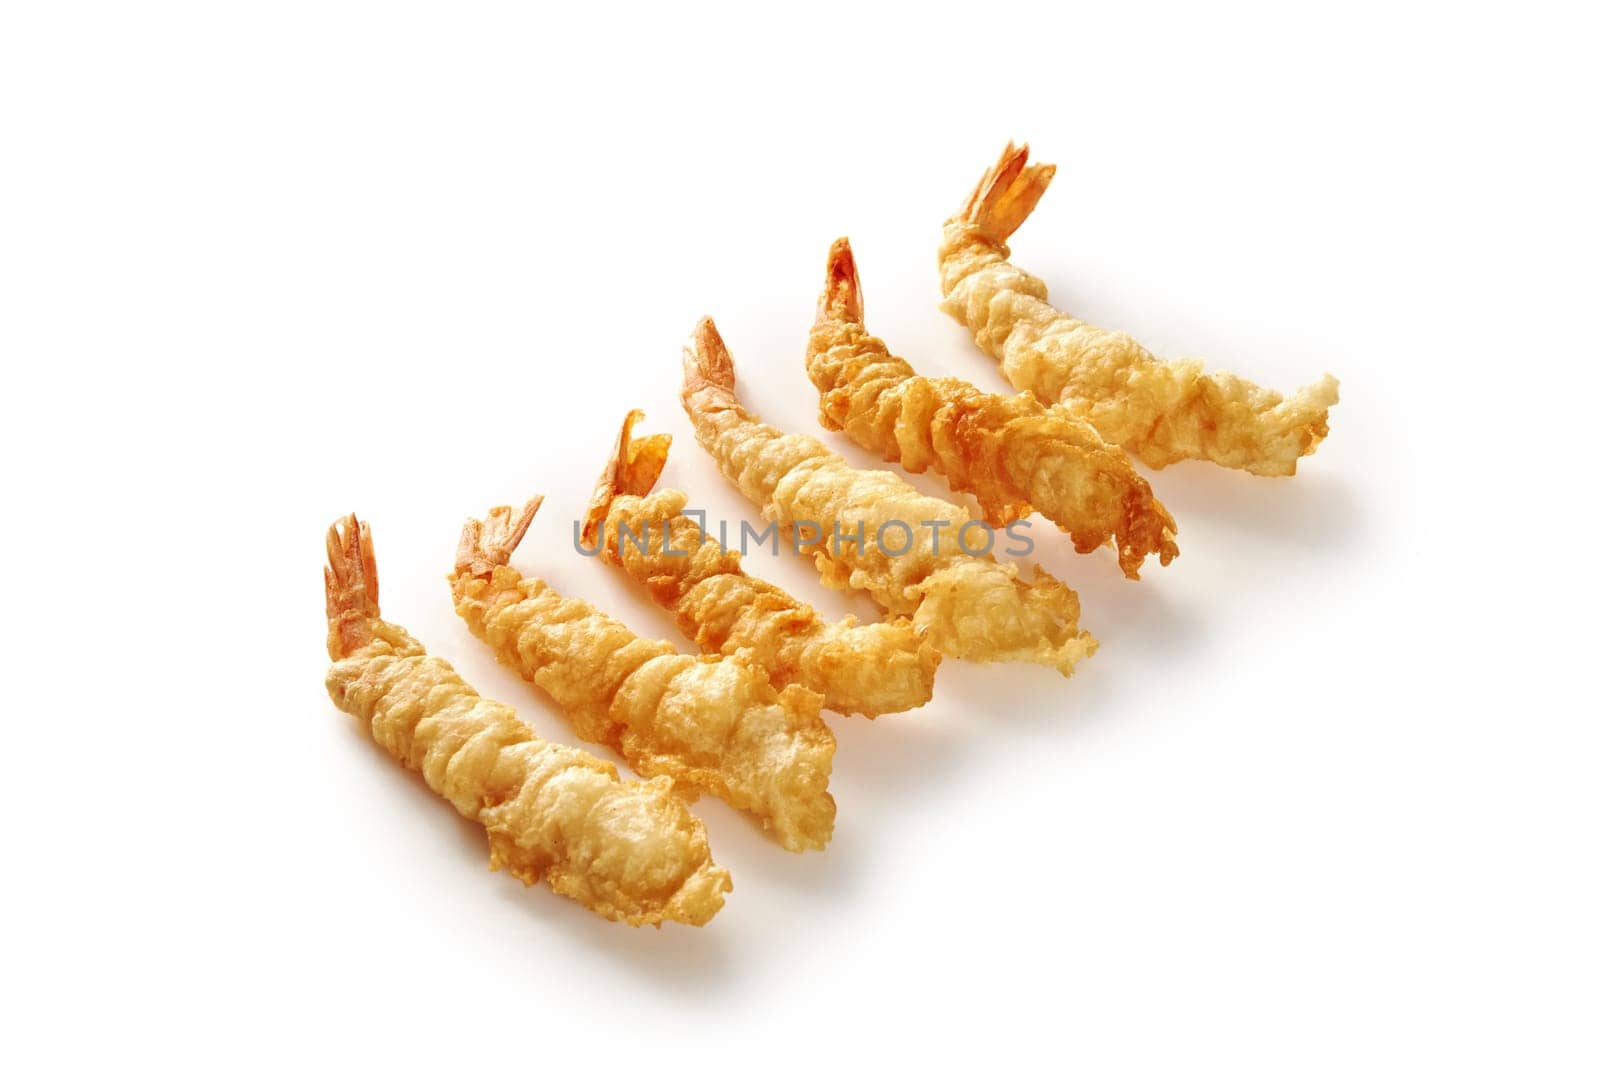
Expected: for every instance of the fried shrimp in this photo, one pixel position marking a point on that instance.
(1013, 453)
(629, 851)
(1161, 411)
(871, 530)
(865, 669)
(714, 724)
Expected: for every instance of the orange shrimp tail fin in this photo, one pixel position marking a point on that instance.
(1007, 195)
(708, 364)
(488, 543)
(632, 470)
(350, 581)
(841, 293)
(707, 369)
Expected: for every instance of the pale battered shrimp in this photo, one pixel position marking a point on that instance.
(1011, 452)
(629, 851)
(1162, 412)
(865, 669)
(714, 724)
(873, 531)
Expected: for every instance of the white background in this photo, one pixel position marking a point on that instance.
(1326, 795)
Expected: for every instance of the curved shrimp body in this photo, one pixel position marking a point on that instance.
(1161, 411)
(713, 724)
(1011, 452)
(629, 851)
(865, 669)
(874, 532)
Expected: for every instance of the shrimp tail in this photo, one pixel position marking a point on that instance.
(488, 543)
(350, 581)
(1007, 195)
(632, 470)
(707, 370)
(841, 293)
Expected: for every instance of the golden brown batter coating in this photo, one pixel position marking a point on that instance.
(713, 724)
(969, 606)
(629, 851)
(1011, 452)
(1161, 411)
(865, 669)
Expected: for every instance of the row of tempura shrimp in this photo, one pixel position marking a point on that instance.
(742, 721)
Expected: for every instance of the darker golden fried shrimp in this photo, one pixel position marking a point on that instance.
(1011, 452)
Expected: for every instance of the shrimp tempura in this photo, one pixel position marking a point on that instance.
(1160, 411)
(1011, 452)
(629, 851)
(713, 724)
(873, 531)
(859, 668)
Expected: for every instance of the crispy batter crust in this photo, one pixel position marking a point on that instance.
(970, 607)
(713, 724)
(629, 851)
(1161, 411)
(865, 669)
(1011, 452)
